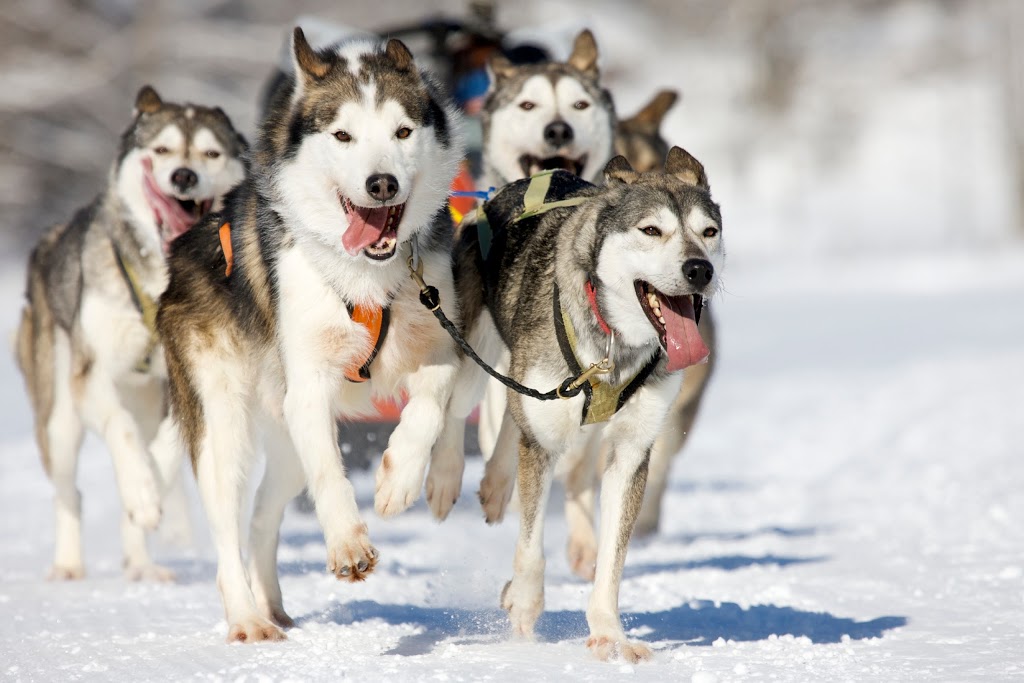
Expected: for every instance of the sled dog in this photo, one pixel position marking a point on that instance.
(295, 307)
(87, 343)
(570, 276)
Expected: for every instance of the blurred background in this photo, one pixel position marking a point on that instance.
(828, 127)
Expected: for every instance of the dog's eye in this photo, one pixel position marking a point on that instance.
(710, 232)
(403, 132)
(651, 230)
(212, 154)
(581, 105)
(160, 150)
(342, 136)
(527, 105)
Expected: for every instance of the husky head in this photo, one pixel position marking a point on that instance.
(638, 138)
(363, 149)
(177, 161)
(658, 254)
(547, 116)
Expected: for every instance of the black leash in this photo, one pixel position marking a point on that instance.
(569, 388)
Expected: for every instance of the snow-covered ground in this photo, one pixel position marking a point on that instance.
(848, 509)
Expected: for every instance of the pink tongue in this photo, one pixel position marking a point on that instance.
(174, 220)
(365, 227)
(685, 346)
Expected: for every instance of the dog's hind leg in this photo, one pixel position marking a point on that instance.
(168, 455)
(523, 596)
(282, 481)
(580, 489)
(63, 433)
(447, 463)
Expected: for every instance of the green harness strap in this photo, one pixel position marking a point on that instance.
(145, 305)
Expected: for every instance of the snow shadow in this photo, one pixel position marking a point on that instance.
(780, 531)
(725, 562)
(698, 623)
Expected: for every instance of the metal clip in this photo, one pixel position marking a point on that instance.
(603, 367)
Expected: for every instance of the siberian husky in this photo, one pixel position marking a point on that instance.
(296, 304)
(617, 279)
(87, 343)
(545, 116)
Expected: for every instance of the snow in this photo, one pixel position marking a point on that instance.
(848, 508)
(849, 505)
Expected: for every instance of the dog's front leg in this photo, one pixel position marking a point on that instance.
(523, 596)
(311, 423)
(401, 472)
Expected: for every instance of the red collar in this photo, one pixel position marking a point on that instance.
(592, 298)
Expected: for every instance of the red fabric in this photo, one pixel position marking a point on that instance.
(592, 298)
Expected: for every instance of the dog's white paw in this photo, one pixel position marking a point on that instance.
(253, 630)
(398, 485)
(353, 558)
(582, 554)
(66, 573)
(149, 571)
(495, 493)
(444, 483)
(141, 500)
(612, 647)
(524, 605)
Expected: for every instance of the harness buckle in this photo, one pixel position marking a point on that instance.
(602, 367)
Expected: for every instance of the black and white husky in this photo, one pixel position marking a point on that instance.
(87, 342)
(616, 278)
(349, 180)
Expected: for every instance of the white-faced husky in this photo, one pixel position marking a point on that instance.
(574, 277)
(296, 305)
(87, 343)
(546, 116)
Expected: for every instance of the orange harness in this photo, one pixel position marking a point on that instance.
(376, 319)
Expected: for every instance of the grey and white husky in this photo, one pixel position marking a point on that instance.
(87, 345)
(295, 306)
(618, 280)
(546, 116)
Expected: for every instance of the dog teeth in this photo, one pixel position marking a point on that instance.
(661, 319)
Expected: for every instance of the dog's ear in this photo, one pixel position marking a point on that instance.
(682, 165)
(584, 54)
(147, 101)
(399, 55)
(499, 68)
(309, 64)
(619, 170)
(654, 111)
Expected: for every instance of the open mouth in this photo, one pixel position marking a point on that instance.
(371, 230)
(174, 217)
(675, 319)
(532, 165)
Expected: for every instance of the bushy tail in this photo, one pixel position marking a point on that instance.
(34, 349)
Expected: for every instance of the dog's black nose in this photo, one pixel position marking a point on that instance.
(184, 178)
(698, 272)
(382, 186)
(558, 133)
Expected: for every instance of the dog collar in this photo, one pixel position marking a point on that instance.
(592, 298)
(376, 320)
(601, 400)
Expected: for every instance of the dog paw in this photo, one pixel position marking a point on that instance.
(606, 648)
(582, 558)
(495, 493)
(524, 607)
(354, 558)
(142, 502)
(253, 630)
(444, 483)
(65, 573)
(149, 571)
(398, 487)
